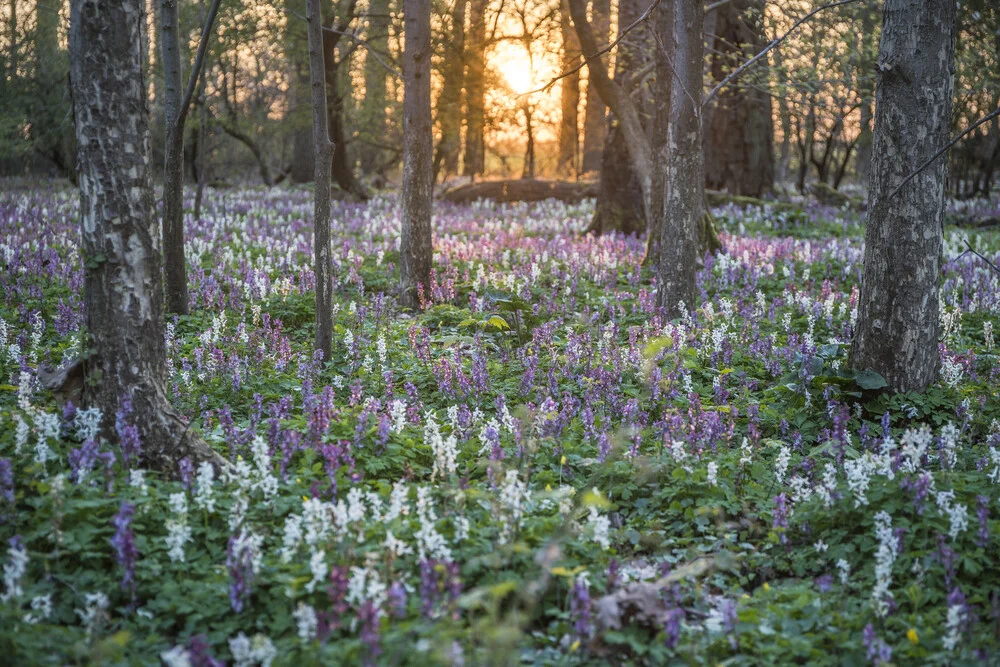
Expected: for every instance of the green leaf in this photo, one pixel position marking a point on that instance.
(869, 379)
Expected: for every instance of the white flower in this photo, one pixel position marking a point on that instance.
(445, 450)
(845, 570)
(204, 496)
(513, 496)
(292, 537)
(41, 609)
(307, 622)
(600, 526)
(958, 514)
(820, 546)
(397, 412)
(395, 546)
(178, 531)
(87, 423)
(13, 570)
(95, 612)
(888, 550)
(859, 473)
(956, 615)
(137, 480)
(264, 479)
(178, 656)
(430, 543)
(398, 502)
(713, 473)
(781, 464)
(319, 569)
(258, 651)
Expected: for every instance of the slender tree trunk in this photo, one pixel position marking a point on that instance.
(300, 107)
(898, 316)
(374, 121)
(202, 148)
(739, 146)
(867, 89)
(123, 289)
(450, 105)
(175, 264)
(322, 258)
(343, 171)
(416, 245)
(684, 203)
(595, 112)
(663, 21)
(529, 151)
(475, 89)
(569, 130)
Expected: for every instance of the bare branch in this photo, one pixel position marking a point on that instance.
(980, 256)
(767, 49)
(199, 59)
(357, 40)
(985, 119)
(579, 66)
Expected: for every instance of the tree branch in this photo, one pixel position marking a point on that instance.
(199, 59)
(767, 49)
(357, 40)
(985, 119)
(980, 256)
(579, 66)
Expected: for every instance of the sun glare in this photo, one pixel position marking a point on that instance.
(516, 70)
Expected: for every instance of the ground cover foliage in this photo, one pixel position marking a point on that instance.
(535, 468)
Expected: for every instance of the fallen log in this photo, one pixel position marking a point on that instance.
(526, 189)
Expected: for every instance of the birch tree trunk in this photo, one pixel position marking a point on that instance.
(174, 261)
(898, 318)
(416, 245)
(123, 289)
(684, 189)
(322, 161)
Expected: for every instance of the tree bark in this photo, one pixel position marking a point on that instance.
(300, 104)
(867, 91)
(374, 121)
(595, 127)
(684, 201)
(175, 263)
(739, 146)
(343, 171)
(416, 244)
(450, 104)
(123, 289)
(569, 124)
(475, 90)
(898, 317)
(322, 264)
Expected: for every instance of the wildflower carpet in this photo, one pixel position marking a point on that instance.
(535, 468)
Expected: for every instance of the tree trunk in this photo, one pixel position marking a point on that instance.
(202, 148)
(323, 147)
(529, 150)
(300, 107)
(619, 206)
(595, 127)
(343, 171)
(569, 130)
(450, 104)
(123, 291)
(374, 123)
(898, 316)
(660, 134)
(475, 89)
(739, 147)
(684, 202)
(175, 264)
(416, 244)
(867, 91)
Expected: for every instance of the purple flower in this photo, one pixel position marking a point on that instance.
(780, 522)
(368, 616)
(672, 626)
(878, 651)
(124, 545)
(580, 606)
(200, 653)
(7, 481)
(428, 586)
(239, 560)
(128, 433)
(983, 513)
(397, 599)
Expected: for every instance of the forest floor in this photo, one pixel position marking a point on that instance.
(534, 469)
